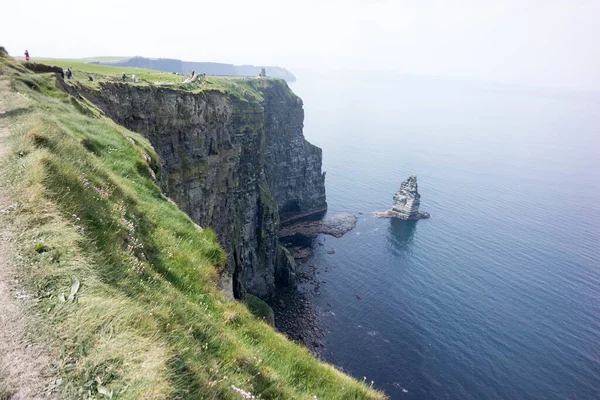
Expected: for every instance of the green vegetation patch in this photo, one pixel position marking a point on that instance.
(260, 309)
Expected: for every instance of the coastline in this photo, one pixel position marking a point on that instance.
(295, 313)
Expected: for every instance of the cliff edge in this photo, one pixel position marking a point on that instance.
(234, 160)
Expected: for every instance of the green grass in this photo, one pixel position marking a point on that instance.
(243, 88)
(96, 68)
(260, 309)
(148, 320)
(83, 69)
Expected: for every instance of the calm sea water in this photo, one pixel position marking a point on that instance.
(497, 296)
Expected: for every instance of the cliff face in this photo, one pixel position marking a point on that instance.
(231, 163)
(292, 165)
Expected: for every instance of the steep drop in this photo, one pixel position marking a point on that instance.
(236, 162)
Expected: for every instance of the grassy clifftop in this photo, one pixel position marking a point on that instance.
(126, 282)
(243, 88)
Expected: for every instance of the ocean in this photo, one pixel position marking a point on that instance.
(497, 296)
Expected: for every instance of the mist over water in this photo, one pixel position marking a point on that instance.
(498, 294)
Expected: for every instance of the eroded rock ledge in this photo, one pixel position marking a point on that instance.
(336, 225)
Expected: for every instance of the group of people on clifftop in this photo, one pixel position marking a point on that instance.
(124, 77)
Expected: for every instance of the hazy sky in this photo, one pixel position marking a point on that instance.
(547, 42)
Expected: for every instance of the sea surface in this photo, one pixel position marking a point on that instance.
(497, 296)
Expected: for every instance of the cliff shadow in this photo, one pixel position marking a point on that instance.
(298, 240)
(15, 113)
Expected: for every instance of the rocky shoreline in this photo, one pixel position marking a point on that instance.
(296, 316)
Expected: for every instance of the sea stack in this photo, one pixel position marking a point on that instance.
(406, 202)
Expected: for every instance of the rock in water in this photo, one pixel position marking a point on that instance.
(406, 202)
(407, 199)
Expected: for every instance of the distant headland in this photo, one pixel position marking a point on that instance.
(209, 68)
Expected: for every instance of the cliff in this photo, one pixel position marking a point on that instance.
(210, 68)
(234, 161)
(116, 287)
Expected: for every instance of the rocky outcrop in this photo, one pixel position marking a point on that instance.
(234, 164)
(285, 268)
(42, 68)
(406, 202)
(336, 225)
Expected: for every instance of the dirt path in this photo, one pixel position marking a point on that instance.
(25, 368)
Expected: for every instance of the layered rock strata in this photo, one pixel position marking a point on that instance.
(406, 202)
(232, 163)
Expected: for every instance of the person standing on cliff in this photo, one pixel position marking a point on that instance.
(123, 76)
(26, 55)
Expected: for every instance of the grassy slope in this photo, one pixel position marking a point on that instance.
(148, 320)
